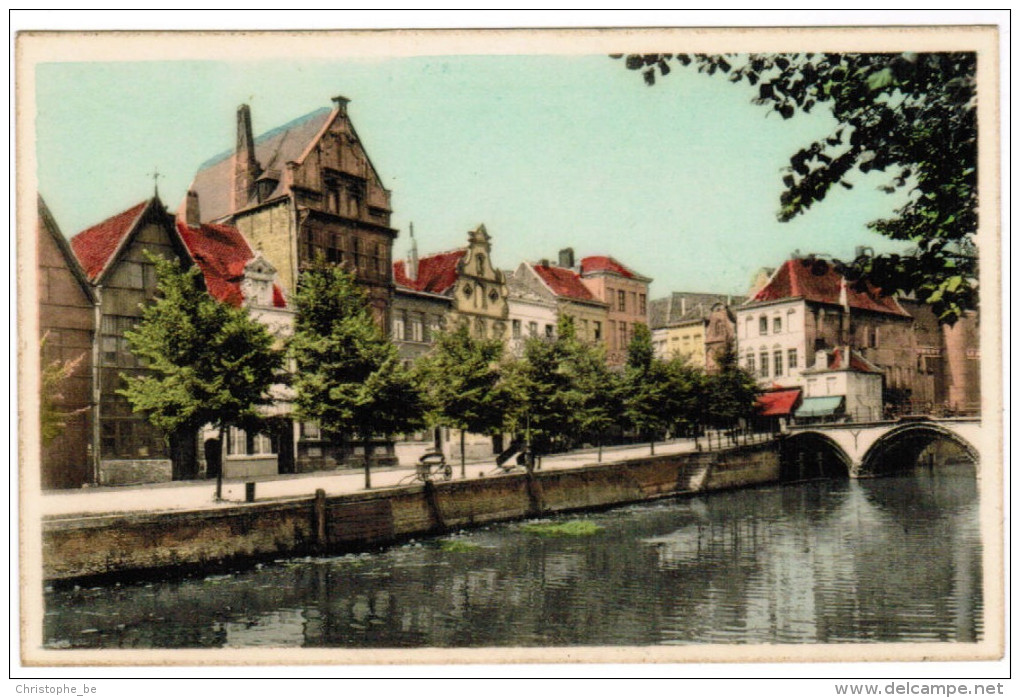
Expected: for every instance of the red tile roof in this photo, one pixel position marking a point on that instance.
(94, 246)
(817, 281)
(596, 263)
(221, 253)
(436, 273)
(777, 403)
(564, 282)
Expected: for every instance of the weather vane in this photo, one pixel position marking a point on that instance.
(155, 184)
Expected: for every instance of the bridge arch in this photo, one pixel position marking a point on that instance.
(811, 454)
(902, 445)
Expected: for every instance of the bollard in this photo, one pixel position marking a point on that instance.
(249, 491)
(320, 518)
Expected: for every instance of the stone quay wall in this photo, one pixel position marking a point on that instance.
(99, 546)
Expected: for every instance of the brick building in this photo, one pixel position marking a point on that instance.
(625, 293)
(305, 189)
(67, 324)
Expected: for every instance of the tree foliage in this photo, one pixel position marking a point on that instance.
(348, 375)
(658, 394)
(52, 416)
(205, 362)
(730, 392)
(910, 115)
(463, 384)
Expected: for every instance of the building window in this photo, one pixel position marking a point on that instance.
(129, 438)
(621, 301)
(398, 326)
(643, 302)
(872, 337)
(612, 333)
(623, 334)
(549, 331)
(114, 347)
(532, 329)
(379, 259)
(633, 301)
(241, 443)
(598, 331)
(791, 360)
(763, 325)
(515, 328)
(777, 361)
(417, 329)
(310, 430)
(777, 325)
(747, 326)
(750, 363)
(357, 254)
(763, 370)
(830, 385)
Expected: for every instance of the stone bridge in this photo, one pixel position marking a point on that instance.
(873, 448)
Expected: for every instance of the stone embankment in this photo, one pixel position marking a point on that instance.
(108, 545)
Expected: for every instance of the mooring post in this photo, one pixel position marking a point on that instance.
(320, 518)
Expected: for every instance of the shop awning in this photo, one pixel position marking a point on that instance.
(778, 403)
(819, 406)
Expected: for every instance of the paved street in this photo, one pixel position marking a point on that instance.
(200, 495)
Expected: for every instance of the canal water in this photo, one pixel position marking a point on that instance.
(895, 559)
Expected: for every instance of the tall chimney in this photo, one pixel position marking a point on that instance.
(192, 216)
(567, 257)
(246, 167)
(412, 262)
(340, 104)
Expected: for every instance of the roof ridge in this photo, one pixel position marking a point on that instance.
(263, 137)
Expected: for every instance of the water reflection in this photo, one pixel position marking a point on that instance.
(891, 559)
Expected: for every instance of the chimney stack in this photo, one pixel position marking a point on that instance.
(543, 263)
(192, 215)
(246, 167)
(567, 257)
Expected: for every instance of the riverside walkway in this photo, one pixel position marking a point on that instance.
(200, 495)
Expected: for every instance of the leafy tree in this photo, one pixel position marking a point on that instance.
(730, 392)
(206, 362)
(557, 389)
(349, 378)
(463, 385)
(52, 417)
(596, 392)
(649, 388)
(913, 116)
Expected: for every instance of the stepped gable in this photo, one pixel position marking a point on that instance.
(436, 272)
(817, 281)
(95, 247)
(222, 253)
(273, 150)
(564, 282)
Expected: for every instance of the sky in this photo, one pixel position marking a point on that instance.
(679, 181)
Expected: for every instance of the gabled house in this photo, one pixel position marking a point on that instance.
(842, 385)
(625, 293)
(127, 448)
(67, 316)
(696, 326)
(806, 307)
(476, 289)
(563, 287)
(303, 190)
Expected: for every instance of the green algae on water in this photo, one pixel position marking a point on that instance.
(456, 546)
(575, 528)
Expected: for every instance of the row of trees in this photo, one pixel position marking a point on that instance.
(209, 363)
